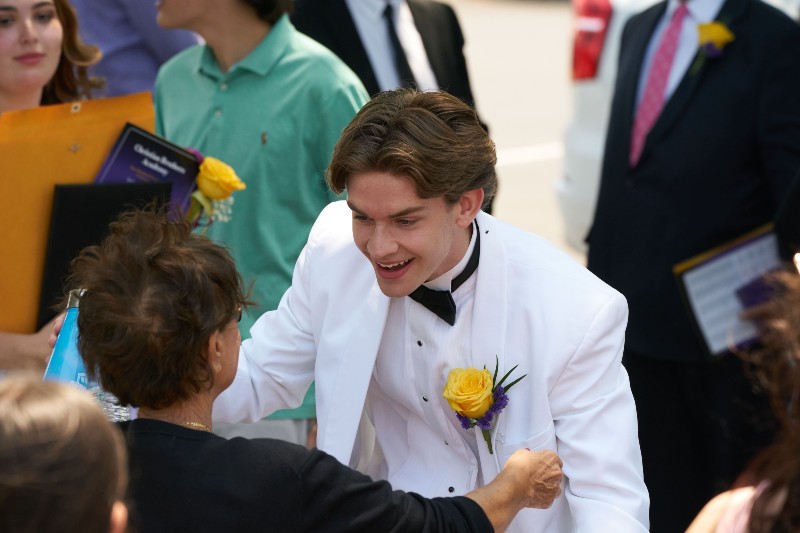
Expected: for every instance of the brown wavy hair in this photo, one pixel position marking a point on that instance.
(432, 138)
(154, 294)
(62, 464)
(71, 81)
(777, 508)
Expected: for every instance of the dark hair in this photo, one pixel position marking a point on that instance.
(432, 138)
(777, 364)
(62, 463)
(71, 81)
(154, 294)
(271, 10)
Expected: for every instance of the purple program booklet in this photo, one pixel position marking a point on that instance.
(139, 156)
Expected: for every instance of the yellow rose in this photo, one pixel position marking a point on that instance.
(714, 33)
(217, 180)
(469, 391)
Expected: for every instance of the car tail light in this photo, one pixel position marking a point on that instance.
(591, 24)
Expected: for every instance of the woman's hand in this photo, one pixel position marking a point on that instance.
(528, 479)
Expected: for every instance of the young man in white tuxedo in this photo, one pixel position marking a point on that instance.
(417, 167)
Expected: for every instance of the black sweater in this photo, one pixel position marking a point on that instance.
(194, 481)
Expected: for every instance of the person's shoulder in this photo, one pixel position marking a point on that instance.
(770, 22)
(318, 64)
(332, 223)
(184, 60)
(543, 264)
(264, 455)
(721, 508)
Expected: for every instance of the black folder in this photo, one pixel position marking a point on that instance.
(80, 217)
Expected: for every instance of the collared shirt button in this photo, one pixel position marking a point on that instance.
(223, 87)
(218, 113)
(425, 398)
(419, 343)
(450, 489)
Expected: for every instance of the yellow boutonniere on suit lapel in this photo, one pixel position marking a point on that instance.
(712, 38)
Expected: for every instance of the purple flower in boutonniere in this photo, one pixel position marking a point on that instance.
(477, 397)
(712, 38)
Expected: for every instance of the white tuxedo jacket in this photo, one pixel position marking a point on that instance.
(534, 307)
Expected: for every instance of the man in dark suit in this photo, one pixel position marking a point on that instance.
(716, 162)
(331, 23)
(361, 39)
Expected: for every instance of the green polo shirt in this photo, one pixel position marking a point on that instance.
(274, 117)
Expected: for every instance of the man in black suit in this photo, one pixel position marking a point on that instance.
(717, 161)
(428, 32)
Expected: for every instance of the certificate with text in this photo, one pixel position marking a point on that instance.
(719, 284)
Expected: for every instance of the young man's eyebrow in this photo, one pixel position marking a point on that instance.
(401, 213)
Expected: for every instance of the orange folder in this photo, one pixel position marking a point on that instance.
(39, 148)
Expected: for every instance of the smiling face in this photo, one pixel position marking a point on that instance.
(408, 240)
(30, 48)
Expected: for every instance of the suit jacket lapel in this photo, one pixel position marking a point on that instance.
(426, 27)
(732, 11)
(489, 319)
(349, 42)
(352, 381)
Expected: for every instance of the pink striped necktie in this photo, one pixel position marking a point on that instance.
(656, 84)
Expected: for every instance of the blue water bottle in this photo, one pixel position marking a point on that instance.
(66, 363)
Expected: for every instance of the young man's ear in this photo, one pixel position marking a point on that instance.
(469, 204)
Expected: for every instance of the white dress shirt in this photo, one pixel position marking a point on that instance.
(410, 416)
(368, 18)
(700, 12)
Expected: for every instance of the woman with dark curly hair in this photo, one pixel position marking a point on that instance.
(43, 59)
(159, 323)
(770, 501)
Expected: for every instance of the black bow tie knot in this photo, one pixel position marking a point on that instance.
(438, 302)
(441, 303)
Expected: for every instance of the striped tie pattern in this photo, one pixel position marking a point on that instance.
(655, 86)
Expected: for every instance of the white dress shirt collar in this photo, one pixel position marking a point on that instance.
(371, 27)
(443, 282)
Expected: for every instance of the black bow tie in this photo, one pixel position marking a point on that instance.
(441, 302)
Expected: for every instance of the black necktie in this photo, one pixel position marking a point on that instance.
(400, 59)
(441, 302)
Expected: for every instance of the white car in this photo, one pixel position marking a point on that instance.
(597, 29)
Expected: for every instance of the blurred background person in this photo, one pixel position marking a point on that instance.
(159, 322)
(769, 501)
(392, 43)
(271, 103)
(62, 464)
(42, 61)
(133, 45)
(703, 144)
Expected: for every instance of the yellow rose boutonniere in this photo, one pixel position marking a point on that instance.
(712, 38)
(215, 181)
(475, 398)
